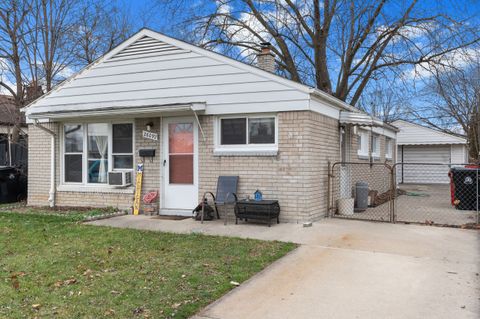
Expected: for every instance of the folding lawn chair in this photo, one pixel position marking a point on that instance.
(226, 194)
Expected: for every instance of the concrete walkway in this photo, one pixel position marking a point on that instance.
(348, 269)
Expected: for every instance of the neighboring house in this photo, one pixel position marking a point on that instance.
(12, 154)
(419, 144)
(212, 116)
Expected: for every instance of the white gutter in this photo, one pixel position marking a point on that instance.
(118, 111)
(51, 193)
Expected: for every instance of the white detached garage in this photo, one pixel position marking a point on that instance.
(419, 144)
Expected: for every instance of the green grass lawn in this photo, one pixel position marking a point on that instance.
(53, 267)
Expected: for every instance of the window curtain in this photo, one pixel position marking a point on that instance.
(102, 145)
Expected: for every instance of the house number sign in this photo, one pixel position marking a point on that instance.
(150, 135)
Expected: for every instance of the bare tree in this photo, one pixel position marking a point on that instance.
(98, 29)
(43, 41)
(55, 23)
(453, 102)
(338, 46)
(13, 15)
(386, 100)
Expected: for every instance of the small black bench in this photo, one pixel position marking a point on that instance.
(259, 210)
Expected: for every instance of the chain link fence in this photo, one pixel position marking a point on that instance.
(425, 193)
(372, 183)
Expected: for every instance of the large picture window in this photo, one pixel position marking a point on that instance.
(247, 131)
(91, 150)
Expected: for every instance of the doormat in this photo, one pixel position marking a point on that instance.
(171, 217)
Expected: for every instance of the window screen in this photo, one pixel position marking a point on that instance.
(233, 131)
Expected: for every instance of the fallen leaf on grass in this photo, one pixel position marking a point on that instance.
(36, 306)
(109, 312)
(70, 281)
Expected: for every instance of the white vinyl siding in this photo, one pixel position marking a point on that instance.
(414, 134)
(151, 72)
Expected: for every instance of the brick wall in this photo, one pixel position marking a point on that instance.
(39, 147)
(152, 167)
(297, 176)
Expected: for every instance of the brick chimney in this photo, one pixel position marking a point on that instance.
(33, 91)
(266, 59)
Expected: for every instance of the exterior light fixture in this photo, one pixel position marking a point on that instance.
(149, 126)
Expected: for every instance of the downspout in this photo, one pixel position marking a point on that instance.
(51, 193)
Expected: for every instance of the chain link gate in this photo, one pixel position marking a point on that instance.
(422, 193)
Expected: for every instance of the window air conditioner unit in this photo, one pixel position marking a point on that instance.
(120, 179)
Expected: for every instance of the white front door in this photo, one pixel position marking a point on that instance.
(180, 165)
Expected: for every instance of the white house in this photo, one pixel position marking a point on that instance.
(198, 115)
(419, 144)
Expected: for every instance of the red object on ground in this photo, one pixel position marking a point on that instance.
(149, 197)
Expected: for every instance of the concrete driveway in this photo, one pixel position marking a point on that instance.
(348, 269)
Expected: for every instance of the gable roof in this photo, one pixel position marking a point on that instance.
(151, 69)
(415, 134)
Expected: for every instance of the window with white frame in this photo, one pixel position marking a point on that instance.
(91, 150)
(362, 143)
(375, 145)
(388, 148)
(247, 131)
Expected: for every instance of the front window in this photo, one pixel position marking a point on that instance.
(91, 150)
(362, 142)
(247, 130)
(389, 148)
(233, 131)
(97, 165)
(73, 153)
(122, 146)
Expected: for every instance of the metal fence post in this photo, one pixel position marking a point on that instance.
(329, 186)
(476, 200)
(393, 193)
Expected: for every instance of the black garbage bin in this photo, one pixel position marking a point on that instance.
(12, 185)
(465, 187)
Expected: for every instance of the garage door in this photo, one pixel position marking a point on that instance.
(424, 174)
